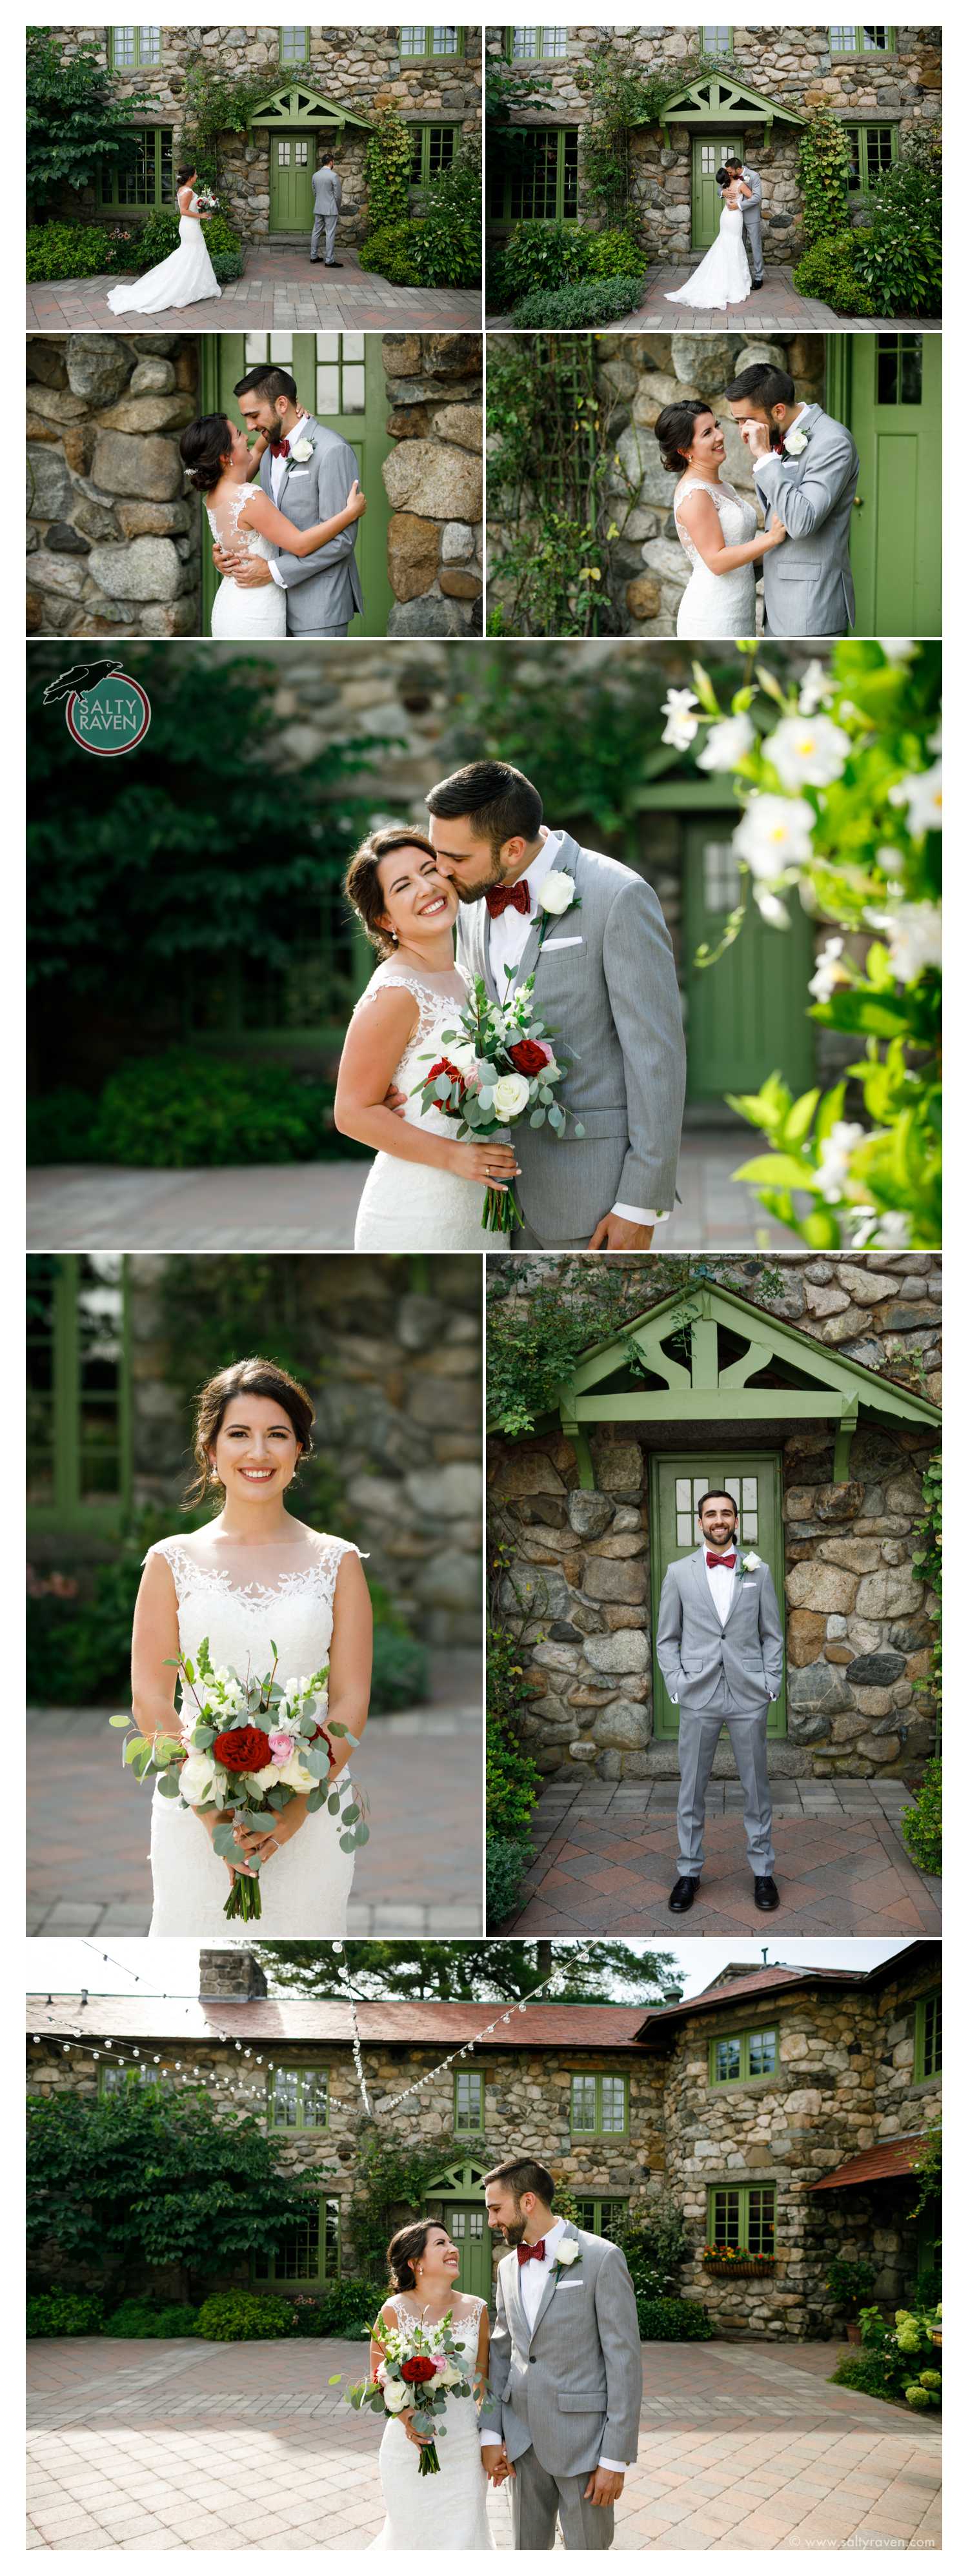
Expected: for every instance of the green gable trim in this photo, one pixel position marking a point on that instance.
(461, 2179)
(302, 106)
(714, 99)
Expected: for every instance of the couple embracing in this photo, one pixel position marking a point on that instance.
(805, 473)
(524, 901)
(560, 2379)
(283, 513)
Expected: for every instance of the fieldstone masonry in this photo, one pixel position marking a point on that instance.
(860, 1624)
(434, 481)
(113, 534)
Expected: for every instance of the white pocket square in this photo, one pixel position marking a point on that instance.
(749, 1583)
(299, 474)
(563, 943)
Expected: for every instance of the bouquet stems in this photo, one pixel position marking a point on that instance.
(500, 1212)
(244, 1901)
(429, 2460)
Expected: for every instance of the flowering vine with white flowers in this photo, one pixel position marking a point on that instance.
(839, 777)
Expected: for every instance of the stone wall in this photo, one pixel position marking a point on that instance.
(357, 68)
(435, 481)
(647, 569)
(859, 1630)
(791, 66)
(113, 538)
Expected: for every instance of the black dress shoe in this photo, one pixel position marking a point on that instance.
(682, 1895)
(757, 286)
(332, 263)
(317, 263)
(766, 1895)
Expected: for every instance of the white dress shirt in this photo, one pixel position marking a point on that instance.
(531, 2283)
(796, 423)
(720, 1580)
(508, 933)
(277, 470)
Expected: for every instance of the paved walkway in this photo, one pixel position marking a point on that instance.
(777, 307)
(605, 1860)
(87, 1838)
(744, 2446)
(278, 291)
(312, 1207)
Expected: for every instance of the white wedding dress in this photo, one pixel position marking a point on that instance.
(718, 603)
(448, 2511)
(248, 1598)
(237, 611)
(414, 1207)
(723, 277)
(185, 277)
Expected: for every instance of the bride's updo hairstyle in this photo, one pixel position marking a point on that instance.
(405, 2249)
(724, 178)
(361, 884)
(675, 429)
(203, 447)
(245, 1377)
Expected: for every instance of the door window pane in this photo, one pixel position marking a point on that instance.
(354, 389)
(282, 150)
(302, 151)
(327, 390)
(721, 877)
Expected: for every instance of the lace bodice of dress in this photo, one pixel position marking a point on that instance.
(245, 1599)
(464, 2330)
(737, 518)
(436, 1012)
(224, 524)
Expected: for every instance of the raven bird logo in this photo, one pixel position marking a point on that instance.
(77, 682)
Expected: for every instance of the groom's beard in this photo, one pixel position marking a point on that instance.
(514, 2234)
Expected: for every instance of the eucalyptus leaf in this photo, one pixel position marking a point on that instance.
(119, 1721)
(168, 1785)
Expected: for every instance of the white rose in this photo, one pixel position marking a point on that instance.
(511, 1094)
(303, 452)
(448, 2377)
(264, 1779)
(196, 1780)
(461, 1052)
(808, 751)
(557, 892)
(568, 2252)
(294, 1775)
(775, 833)
(726, 743)
(795, 442)
(750, 1561)
(396, 2395)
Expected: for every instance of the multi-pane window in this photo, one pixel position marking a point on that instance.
(745, 1492)
(78, 1463)
(542, 184)
(292, 151)
(900, 358)
(299, 2098)
(125, 2079)
(423, 43)
(862, 40)
(721, 881)
(340, 370)
(144, 175)
(432, 150)
(742, 2055)
(927, 2038)
(537, 44)
(872, 150)
(743, 2217)
(717, 40)
(308, 2253)
(469, 2099)
(599, 2105)
(712, 156)
(135, 48)
(293, 44)
(602, 2217)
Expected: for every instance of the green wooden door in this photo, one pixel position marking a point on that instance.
(677, 1486)
(466, 2222)
(745, 1016)
(340, 379)
(708, 154)
(895, 544)
(292, 161)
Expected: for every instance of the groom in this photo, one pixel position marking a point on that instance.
(719, 1640)
(307, 471)
(327, 204)
(561, 2415)
(806, 468)
(593, 935)
(752, 215)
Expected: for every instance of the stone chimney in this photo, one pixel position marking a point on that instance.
(230, 1976)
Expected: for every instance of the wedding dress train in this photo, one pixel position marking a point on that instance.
(254, 1600)
(718, 603)
(448, 2511)
(724, 275)
(414, 1207)
(185, 277)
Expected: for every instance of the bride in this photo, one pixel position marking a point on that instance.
(723, 277)
(255, 1581)
(425, 1192)
(244, 520)
(716, 529)
(186, 276)
(448, 2511)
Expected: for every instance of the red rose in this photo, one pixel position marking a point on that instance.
(416, 2371)
(453, 1075)
(244, 1748)
(529, 1057)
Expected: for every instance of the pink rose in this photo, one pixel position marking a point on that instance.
(440, 2363)
(280, 1747)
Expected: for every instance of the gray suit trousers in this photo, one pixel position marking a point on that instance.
(698, 1738)
(524, 1239)
(539, 2500)
(753, 228)
(321, 224)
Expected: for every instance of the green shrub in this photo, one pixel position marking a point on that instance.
(156, 238)
(864, 2371)
(390, 252)
(506, 1865)
(921, 1824)
(176, 1111)
(898, 254)
(244, 2316)
(66, 250)
(830, 271)
(590, 302)
(614, 252)
(136, 2319)
(59, 1124)
(389, 153)
(538, 254)
(673, 2321)
(448, 251)
(348, 2308)
(400, 1669)
(848, 2282)
(64, 2312)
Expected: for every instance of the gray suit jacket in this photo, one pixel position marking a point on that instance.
(694, 1651)
(327, 192)
(570, 2386)
(605, 982)
(807, 584)
(323, 589)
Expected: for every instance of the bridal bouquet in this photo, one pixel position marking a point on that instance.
(418, 2372)
(248, 1749)
(500, 1068)
(206, 201)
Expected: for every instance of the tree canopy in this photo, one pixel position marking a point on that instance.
(473, 1971)
(74, 122)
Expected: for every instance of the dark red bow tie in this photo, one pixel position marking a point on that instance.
(279, 446)
(532, 2253)
(728, 1561)
(498, 898)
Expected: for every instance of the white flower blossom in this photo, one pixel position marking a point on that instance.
(892, 1228)
(396, 2396)
(808, 751)
(196, 1779)
(726, 743)
(775, 834)
(921, 793)
(751, 1561)
(796, 442)
(681, 726)
(896, 648)
(833, 1169)
(828, 971)
(815, 688)
(913, 938)
(770, 908)
(511, 1095)
(557, 892)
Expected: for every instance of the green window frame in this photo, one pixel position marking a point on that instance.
(602, 2215)
(433, 149)
(308, 2255)
(717, 40)
(742, 2215)
(298, 2097)
(536, 44)
(863, 40)
(872, 150)
(431, 44)
(294, 45)
(134, 49)
(78, 1392)
(927, 2037)
(145, 179)
(744, 2056)
(540, 185)
(599, 2106)
(468, 2101)
(122, 2078)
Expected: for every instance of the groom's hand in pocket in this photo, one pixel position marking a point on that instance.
(616, 1234)
(604, 2486)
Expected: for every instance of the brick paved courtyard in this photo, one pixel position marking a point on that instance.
(605, 1860)
(278, 291)
(777, 307)
(744, 2446)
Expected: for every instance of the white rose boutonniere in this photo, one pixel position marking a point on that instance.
(556, 894)
(796, 442)
(300, 455)
(751, 1562)
(569, 2252)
